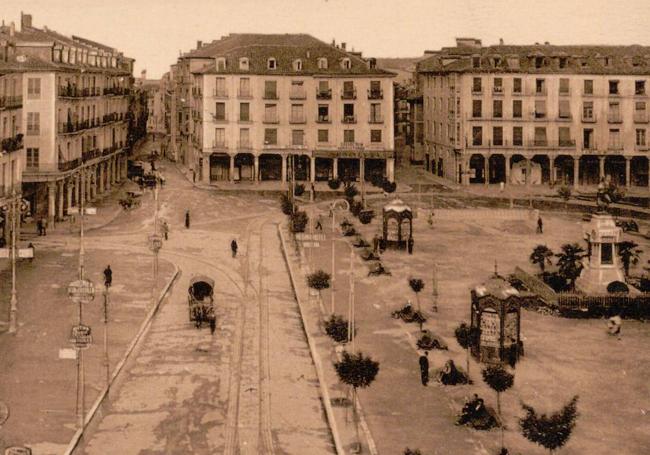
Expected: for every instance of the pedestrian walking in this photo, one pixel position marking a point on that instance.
(233, 247)
(424, 367)
(313, 191)
(213, 325)
(375, 243)
(39, 226)
(44, 224)
(165, 228)
(108, 276)
(540, 225)
(193, 176)
(319, 223)
(187, 219)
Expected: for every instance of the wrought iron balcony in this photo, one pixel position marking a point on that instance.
(298, 94)
(270, 95)
(11, 102)
(376, 119)
(349, 119)
(349, 94)
(614, 118)
(11, 144)
(323, 119)
(297, 119)
(377, 94)
(324, 94)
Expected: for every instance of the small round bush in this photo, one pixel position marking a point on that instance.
(366, 216)
(389, 187)
(299, 189)
(334, 184)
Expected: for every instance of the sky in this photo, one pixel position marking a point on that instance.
(155, 31)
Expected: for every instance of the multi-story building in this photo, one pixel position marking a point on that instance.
(12, 153)
(537, 114)
(75, 110)
(245, 103)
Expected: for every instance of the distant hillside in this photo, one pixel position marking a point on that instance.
(403, 66)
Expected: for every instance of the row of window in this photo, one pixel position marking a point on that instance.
(297, 137)
(614, 86)
(560, 62)
(272, 63)
(297, 89)
(564, 110)
(564, 138)
(298, 113)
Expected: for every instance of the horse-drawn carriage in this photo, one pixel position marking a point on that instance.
(201, 301)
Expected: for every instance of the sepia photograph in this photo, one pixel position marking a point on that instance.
(324, 227)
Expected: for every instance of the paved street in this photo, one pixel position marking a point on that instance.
(250, 387)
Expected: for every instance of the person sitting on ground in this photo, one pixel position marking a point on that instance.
(476, 414)
(450, 375)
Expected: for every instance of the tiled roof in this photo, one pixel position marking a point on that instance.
(285, 48)
(577, 59)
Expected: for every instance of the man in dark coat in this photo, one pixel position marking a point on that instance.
(187, 219)
(233, 247)
(108, 276)
(424, 367)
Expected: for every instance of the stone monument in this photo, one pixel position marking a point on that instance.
(603, 265)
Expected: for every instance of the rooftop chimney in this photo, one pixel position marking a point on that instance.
(546, 43)
(199, 43)
(500, 41)
(143, 75)
(25, 21)
(343, 46)
(12, 28)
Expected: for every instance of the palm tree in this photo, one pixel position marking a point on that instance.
(629, 254)
(499, 380)
(570, 262)
(541, 255)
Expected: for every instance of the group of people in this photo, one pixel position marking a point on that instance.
(475, 413)
(448, 375)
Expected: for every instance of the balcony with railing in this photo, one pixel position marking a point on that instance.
(614, 117)
(616, 145)
(644, 147)
(375, 94)
(64, 166)
(349, 119)
(377, 118)
(589, 145)
(297, 118)
(539, 115)
(539, 142)
(270, 95)
(564, 117)
(11, 102)
(640, 117)
(323, 119)
(497, 90)
(220, 93)
(324, 94)
(244, 144)
(221, 118)
(589, 118)
(298, 94)
(271, 118)
(117, 91)
(220, 145)
(566, 143)
(244, 94)
(350, 94)
(477, 89)
(11, 144)
(91, 154)
(540, 91)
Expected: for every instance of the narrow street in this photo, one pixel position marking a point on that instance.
(251, 387)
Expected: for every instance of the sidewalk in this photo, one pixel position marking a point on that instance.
(37, 386)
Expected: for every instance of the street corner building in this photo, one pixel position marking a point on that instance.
(535, 114)
(69, 102)
(12, 152)
(250, 107)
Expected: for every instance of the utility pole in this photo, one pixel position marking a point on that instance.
(106, 361)
(13, 312)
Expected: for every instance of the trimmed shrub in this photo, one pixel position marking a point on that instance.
(337, 328)
(299, 221)
(350, 191)
(286, 204)
(389, 187)
(366, 216)
(334, 184)
(356, 208)
(299, 189)
(377, 180)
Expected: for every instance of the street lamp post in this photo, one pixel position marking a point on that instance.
(106, 361)
(13, 312)
(333, 210)
(155, 244)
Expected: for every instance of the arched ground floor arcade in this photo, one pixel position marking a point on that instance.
(544, 169)
(304, 166)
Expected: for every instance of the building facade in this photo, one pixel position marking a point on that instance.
(246, 103)
(12, 152)
(538, 114)
(75, 116)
